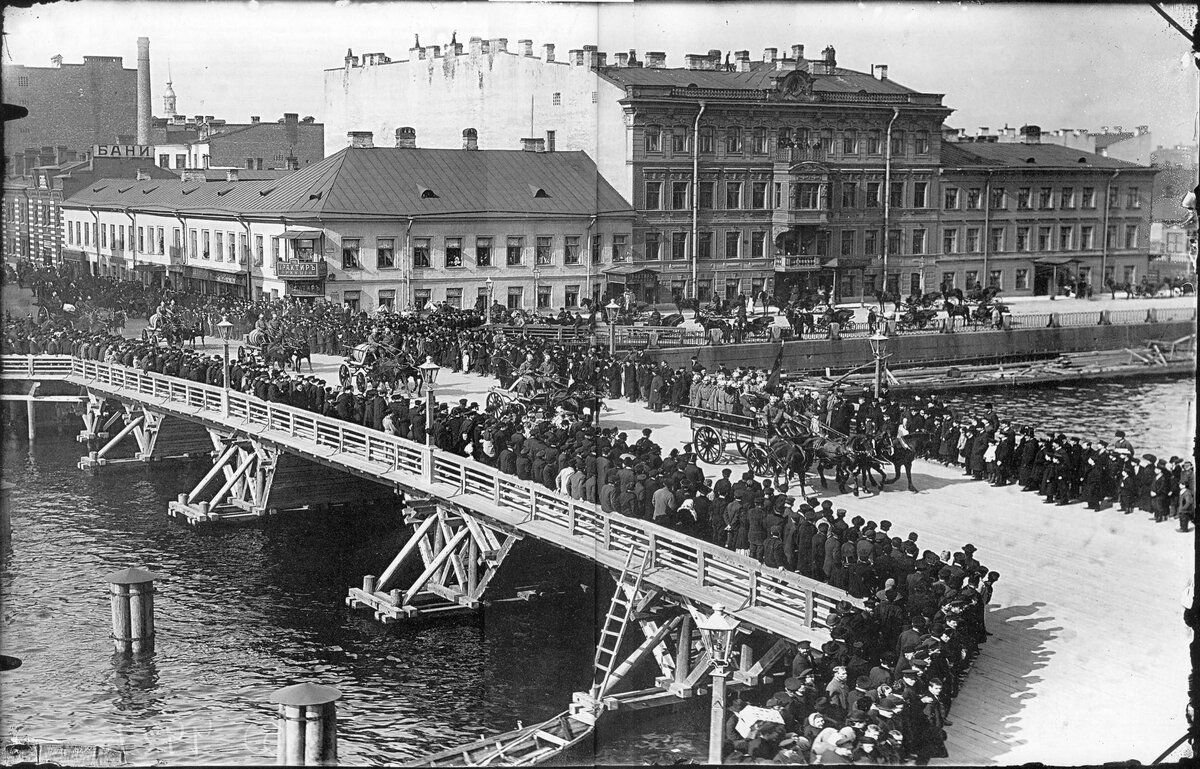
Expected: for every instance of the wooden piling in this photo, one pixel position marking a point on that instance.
(131, 594)
(307, 725)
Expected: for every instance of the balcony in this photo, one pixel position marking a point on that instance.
(800, 217)
(793, 155)
(797, 262)
(297, 270)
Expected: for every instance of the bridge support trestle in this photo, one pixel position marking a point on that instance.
(460, 556)
(183, 440)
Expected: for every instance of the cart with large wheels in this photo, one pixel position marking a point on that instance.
(714, 431)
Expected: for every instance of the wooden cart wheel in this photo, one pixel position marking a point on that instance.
(849, 326)
(708, 444)
(344, 375)
(360, 381)
(744, 446)
(758, 460)
(494, 401)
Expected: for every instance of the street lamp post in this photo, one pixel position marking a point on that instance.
(611, 309)
(429, 372)
(719, 629)
(537, 275)
(490, 285)
(225, 330)
(878, 345)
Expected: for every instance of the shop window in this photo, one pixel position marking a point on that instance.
(571, 296)
(422, 298)
(387, 299)
(351, 300)
(1021, 279)
(516, 297)
(454, 297)
(544, 295)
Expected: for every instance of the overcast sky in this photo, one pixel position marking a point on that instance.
(1057, 66)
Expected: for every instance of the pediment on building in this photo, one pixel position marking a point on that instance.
(794, 86)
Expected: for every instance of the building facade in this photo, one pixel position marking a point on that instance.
(372, 227)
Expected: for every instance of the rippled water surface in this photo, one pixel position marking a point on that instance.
(242, 611)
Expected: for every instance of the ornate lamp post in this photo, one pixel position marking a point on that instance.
(429, 372)
(878, 346)
(491, 284)
(611, 309)
(537, 276)
(719, 627)
(225, 330)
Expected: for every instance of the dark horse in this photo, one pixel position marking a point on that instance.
(900, 456)
(849, 462)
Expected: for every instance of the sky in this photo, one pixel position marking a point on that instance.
(1053, 65)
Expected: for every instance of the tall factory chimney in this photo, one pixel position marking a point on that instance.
(143, 91)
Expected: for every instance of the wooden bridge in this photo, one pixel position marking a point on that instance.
(269, 457)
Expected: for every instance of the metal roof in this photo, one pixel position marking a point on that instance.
(760, 76)
(1027, 156)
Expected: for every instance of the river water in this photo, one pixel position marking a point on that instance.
(243, 611)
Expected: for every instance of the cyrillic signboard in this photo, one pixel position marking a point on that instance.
(122, 151)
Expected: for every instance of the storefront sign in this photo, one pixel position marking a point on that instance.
(304, 288)
(122, 151)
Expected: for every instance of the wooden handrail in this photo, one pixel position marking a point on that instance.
(693, 561)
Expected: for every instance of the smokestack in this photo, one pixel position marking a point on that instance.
(143, 91)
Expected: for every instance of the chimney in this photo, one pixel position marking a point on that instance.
(255, 118)
(231, 175)
(797, 52)
(475, 46)
(881, 71)
(622, 59)
(191, 175)
(143, 91)
(830, 56)
(743, 60)
(308, 119)
(548, 52)
(142, 175)
(537, 144)
(526, 47)
(694, 60)
(454, 49)
(470, 139)
(769, 55)
(983, 130)
(575, 56)
(292, 163)
(500, 45)
(56, 60)
(437, 52)
(1031, 134)
(406, 138)
(601, 59)
(361, 139)
(656, 59)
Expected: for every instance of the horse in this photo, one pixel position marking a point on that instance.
(893, 451)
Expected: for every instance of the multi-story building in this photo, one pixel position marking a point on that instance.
(1021, 217)
(374, 227)
(744, 174)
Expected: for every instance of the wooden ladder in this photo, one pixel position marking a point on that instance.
(616, 622)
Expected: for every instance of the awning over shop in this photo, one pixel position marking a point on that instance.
(73, 256)
(144, 267)
(202, 273)
(301, 234)
(1057, 261)
(631, 273)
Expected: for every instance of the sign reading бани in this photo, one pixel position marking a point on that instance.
(122, 151)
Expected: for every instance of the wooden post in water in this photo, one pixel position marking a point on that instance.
(307, 725)
(131, 592)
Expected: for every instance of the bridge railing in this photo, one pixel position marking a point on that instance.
(35, 366)
(687, 561)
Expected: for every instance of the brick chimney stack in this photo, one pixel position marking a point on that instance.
(361, 139)
(406, 138)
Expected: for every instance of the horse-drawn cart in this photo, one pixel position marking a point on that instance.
(713, 431)
(376, 362)
(546, 395)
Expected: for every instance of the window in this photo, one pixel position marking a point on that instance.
(556, 98)
(896, 195)
(948, 281)
(758, 244)
(678, 141)
(420, 252)
(1046, 198)
(974, 195)
(1133, 198)
(549, 145)
(950, 198)
(758, 195)
(707, 192)
(920, 194)
(1043, 238)
(516, 297)
(205, 242)
(827, 142)
(733, 243)
(803, 139)
(385, 252)
(949, 241)
(1021, 279)
(1024, 202)
(733, 194)
(994, 279)
(847, 243)
(514, 254)
(181, 161)
(972, 240)
(972, 279)
(23, 81)
(733, 140)
(87, 233)
(243, 248)
(164, 161)
(596, 254)
(918, 241)
(897, 142)
(874, 144)
(1131, 235)
(849, 194)
(679, 195)
(921, 142)
(483, 252)
(1110, 236)
(218, 252)
(758, 141)
(870, 242)
(893, 241)
(350, 253)
(1088, 200)
(258, 248)
(707, 140)
(778, 194)
(231, 243)
(678, 246)
(652, 246)
(850, 143)
(704, 248)
(998, 198)
(249, 163)
(996, 240)
(653, 137)
(192, 244)
(142, 239)
(541, 254)
(1066, 238)
(544, 295)
(1130, 273)
(620, 248)
(160, 240)
(1087, 235)
(1067, 198)
(571, 249)
(454, 253)
(653, 195)
(1023, 238)
(387, 299)
(103, 236)
(571, 296)
(873, 199)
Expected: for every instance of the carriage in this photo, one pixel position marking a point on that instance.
(844, 316)
(713, 431)
(548, 395)
(377, 362)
